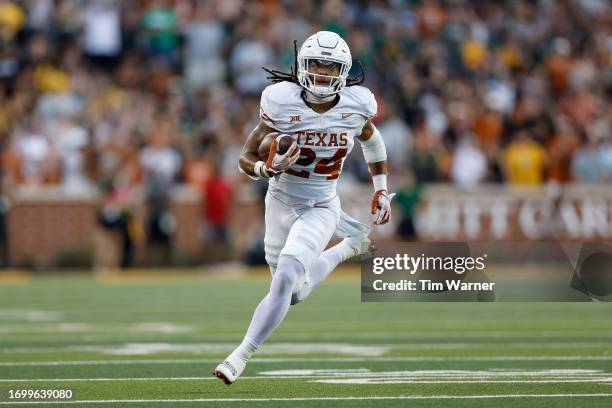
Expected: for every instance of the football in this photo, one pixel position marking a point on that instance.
(283, 145)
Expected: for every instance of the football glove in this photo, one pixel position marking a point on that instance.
(381, 207)
(277, 162)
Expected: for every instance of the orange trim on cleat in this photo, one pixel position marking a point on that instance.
(221, 376)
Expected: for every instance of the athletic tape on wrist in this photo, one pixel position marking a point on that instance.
(380, 182)
(260, 169)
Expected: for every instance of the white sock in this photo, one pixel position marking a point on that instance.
(245, 350)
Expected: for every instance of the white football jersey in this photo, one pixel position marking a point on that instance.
(325, 139)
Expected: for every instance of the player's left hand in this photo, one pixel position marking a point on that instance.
(381, 207)
(277, 162)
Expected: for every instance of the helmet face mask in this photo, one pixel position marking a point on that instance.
(323, 81)
(324, 61)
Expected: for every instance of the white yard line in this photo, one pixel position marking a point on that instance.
(8, 380)
(399, 397)
(301, 360)
(29, 315)
(377, 380)
(151, 348)
(292, 347)
(63, 328)
(36, 328)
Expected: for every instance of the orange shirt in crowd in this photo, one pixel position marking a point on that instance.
(432, 18)
(561, 149)
(488, 128)
(559, 67)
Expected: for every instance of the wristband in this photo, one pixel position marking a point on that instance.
(260, 169)
(380, 182)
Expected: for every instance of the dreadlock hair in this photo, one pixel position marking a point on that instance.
(279, 76)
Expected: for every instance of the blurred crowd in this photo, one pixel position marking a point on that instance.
(109, 95)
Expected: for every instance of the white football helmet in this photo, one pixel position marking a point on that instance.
(328, 49)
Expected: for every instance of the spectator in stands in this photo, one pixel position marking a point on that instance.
(118, 216)
(587, 166)
(524, 160)
(161, 164)
(160, 29)
(218, 196)
(102, 33)
(5, 181)
(408, 200)
(203, 60)
(469, 165)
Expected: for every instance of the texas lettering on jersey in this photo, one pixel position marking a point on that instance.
(324, 139)
(321, 139)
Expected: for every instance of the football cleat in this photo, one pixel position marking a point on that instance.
(229, 371)
(358, 245)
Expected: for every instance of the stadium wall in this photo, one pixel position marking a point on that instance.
(48, 227)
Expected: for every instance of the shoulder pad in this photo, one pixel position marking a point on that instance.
(278, 99)
(361, 99)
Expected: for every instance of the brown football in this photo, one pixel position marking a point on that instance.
(283, 145)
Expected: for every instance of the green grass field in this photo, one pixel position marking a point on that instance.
(154, 344)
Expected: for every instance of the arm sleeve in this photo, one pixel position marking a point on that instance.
(374, 148)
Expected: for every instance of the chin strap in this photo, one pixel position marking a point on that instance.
(312, 98)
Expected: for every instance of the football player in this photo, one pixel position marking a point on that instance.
(324, 111)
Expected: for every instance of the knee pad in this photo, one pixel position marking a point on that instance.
(287, 276)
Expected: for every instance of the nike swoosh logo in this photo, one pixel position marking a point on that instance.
(346, 115)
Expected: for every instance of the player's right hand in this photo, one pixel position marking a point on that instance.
(277, 162)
